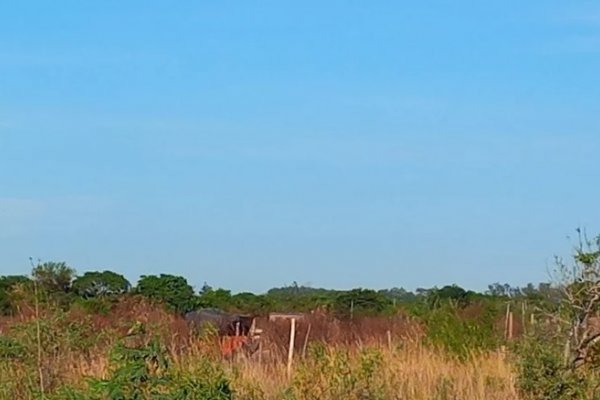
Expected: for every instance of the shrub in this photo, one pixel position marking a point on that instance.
(334, 374)
(144, 372)
(10, 348)
(459, 335)
(542, 374)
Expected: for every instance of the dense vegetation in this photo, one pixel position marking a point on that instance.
(97, 336)
(61, 281)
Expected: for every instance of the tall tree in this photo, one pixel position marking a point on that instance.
(172, 290)
(215, 298)
(361, 302)
(53, 276)
(97, 284)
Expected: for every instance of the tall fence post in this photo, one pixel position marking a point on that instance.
(523, 316)
(291, 347)
(506, 321)
(510, 325)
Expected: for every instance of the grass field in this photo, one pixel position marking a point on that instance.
(77, 355)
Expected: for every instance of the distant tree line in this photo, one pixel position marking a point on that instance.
(61, 282)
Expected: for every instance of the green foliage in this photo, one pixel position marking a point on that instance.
(98, 284)
(361, 302)
(399, 295)
(503, 290)
(329, 374)
(174, 291)
(214, 298)
(10, 348)
(22, 353)
(300, 298)
(96, 305)
(58, 334)
(53, 276)
(460, 335)
(206, 380)
(449, 294)
(144, 372)
(7, 284)
(137, 373)
(542, 373)
(251, 303)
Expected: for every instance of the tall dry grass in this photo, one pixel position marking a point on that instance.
(337, 364)
(410, 371)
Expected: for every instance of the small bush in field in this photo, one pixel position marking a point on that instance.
(333, 374)
(144, 372)
(11, 348)
(58, 334)
(457, 335)
(542, 374)
(97, 305)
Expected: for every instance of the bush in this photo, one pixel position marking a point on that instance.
(459, 335)
(333, 374)
(542, 374)
(144, 372)
(11, 348)
(96, 305)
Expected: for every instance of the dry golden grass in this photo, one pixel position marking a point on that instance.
(358, 366)
(412, 371)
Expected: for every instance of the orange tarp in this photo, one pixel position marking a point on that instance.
(229, 344)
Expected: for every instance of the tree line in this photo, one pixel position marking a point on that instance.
(62, 283)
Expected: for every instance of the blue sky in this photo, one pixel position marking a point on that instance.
(340, 143)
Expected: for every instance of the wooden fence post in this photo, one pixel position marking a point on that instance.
(510, 325)
(306, 341)
(506, 321)
(291, 347)
(523, 318)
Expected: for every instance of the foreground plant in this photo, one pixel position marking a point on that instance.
(144, 372)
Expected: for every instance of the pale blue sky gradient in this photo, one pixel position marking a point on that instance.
(339, 143)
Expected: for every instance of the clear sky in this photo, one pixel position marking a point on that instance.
(334, 143)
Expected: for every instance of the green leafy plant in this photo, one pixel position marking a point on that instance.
(333, 374)
(459, 335)
(143, 371)
(10, 348)
(542, 374)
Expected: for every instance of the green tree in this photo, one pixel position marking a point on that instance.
(361, 302)
(449, 294)
(250, 303)
(53, 276)
(98, 284)
(7, 284)
(300, 298)
(215, 298)
(398, 294)
(172, 290)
